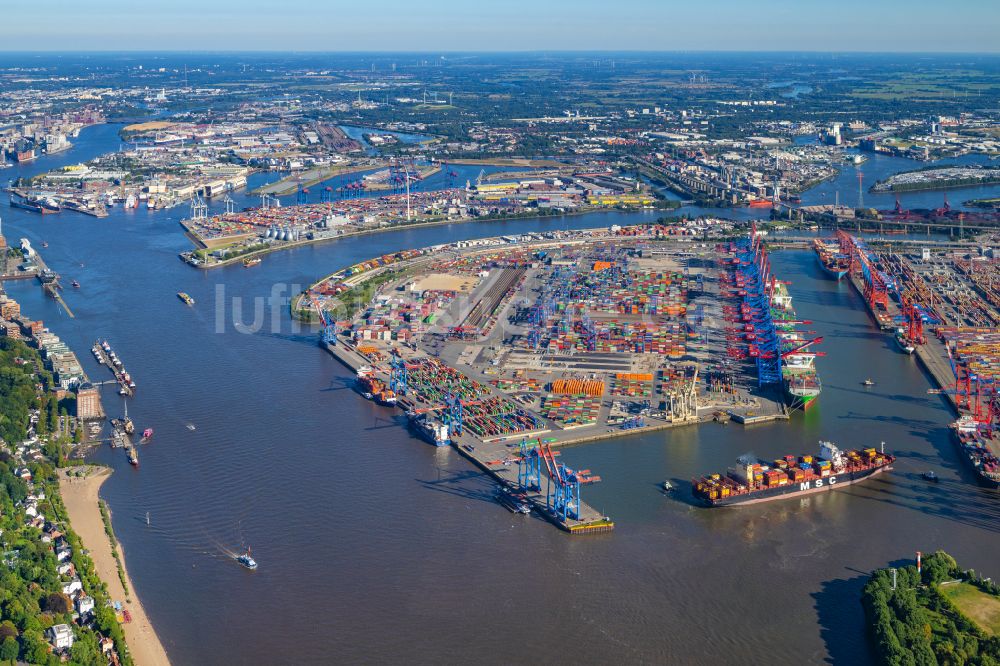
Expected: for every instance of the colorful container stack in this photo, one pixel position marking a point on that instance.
(612, 336)
(587, 387)
(632, 385)
(518, 385)
(431, 382)
(978, 349)
(571, 410)
(497, 417)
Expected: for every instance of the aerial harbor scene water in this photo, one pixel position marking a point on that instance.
(365, 354)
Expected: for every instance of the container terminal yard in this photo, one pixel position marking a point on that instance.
(508, 348)
(396, 195)
(940, 307)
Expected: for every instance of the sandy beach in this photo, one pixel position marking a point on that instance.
(80, 496)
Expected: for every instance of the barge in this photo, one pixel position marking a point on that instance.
(513, 501)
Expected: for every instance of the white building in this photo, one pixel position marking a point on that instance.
(84, 604)
(72, 587)
(60, 636)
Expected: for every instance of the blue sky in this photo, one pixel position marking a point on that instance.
(502, 25)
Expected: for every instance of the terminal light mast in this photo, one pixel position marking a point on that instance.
(407, 170)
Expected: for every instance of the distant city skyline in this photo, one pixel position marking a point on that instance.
(514, 25)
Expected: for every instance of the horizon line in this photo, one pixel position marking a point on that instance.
(489, 52)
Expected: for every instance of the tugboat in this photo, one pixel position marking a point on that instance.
(868, 382)
(147, 434)
(667, 486)
(246, 560)
(75, 284)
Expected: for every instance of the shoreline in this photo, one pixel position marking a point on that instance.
(381, 230)
(936, 186)
(80, 498)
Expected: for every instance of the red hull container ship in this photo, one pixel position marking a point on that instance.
(834, 264)
(759, 481)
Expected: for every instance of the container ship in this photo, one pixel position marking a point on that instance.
(24, 204)
(373, 388)
(903, 342)
(760, 481)
(977, 450)
(799, 378)
(430, 429)
(834, 264)
(34, 204)
(801, 383)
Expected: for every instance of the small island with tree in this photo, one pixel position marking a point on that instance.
(933, 613)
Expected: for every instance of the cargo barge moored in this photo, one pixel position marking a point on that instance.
(759, 481)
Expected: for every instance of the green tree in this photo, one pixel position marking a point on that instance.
(85, 651)
(53, 414)
(36, 650)
(9, 649)
(57, 602)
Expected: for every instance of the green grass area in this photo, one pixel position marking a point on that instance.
(921, 617)
(929, 86)
(347, 302)
(981, 608)
(434, 107)
(110, 531)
